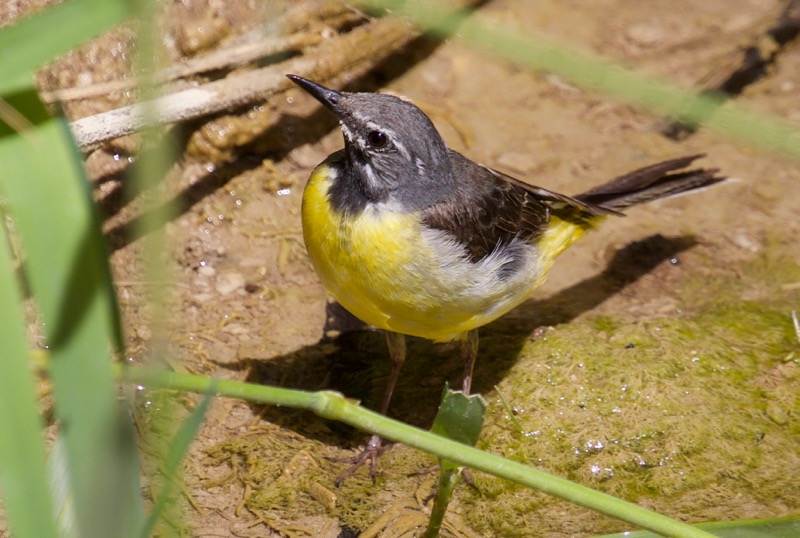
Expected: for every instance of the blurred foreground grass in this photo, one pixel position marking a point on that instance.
(62, 265)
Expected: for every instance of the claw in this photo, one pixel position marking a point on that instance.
(371, 452)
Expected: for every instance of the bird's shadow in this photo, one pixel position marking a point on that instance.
(356, 363)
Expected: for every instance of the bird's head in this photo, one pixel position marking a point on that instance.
(395, 154)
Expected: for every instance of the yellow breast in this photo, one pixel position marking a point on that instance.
(361, 259)
(390, 272)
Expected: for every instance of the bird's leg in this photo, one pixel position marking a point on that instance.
(469, 352)
(396, 343)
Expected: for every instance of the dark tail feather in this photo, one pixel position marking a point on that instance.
(650, 183)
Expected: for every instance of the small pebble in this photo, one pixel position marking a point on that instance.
(644, 34)
(228, 283)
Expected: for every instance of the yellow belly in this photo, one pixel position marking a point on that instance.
(378, 265)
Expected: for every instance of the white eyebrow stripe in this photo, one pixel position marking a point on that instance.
(401, 148)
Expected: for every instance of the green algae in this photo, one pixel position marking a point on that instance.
(696, 419)
(285, 477)
(695, 416)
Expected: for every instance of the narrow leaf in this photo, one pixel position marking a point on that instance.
(23, 471)
(57, 29)
(66, 264)
(759, 528)
(175, 455)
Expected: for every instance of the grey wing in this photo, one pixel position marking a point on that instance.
(488, 210)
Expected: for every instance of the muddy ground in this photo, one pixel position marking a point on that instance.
(658, 362)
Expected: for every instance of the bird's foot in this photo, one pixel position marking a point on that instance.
(370, 453)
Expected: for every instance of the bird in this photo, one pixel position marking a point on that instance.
(416, 239)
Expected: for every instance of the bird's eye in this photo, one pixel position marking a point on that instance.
(377, 139)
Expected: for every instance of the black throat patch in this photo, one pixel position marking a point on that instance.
(345, 194)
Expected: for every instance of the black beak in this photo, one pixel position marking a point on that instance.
(324, 95)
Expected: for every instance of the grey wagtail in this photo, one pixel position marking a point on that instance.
(414, 238)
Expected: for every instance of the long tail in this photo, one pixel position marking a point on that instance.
(652, 182)
(569, 221)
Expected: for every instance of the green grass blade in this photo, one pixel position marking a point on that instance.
(154, 162)
(757, 528)
(333, 406)
(35, 40)
(66, 264)
(174, 457)
(23, 472)
(599, 74)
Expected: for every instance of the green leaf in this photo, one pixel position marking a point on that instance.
(460, 418)
(175, 455)
(66, 264)
(57, 29)
(23, 471)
